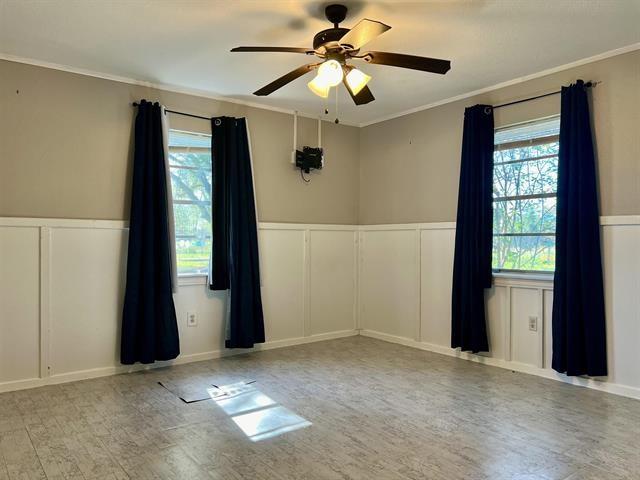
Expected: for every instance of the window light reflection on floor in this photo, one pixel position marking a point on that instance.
(257, 415)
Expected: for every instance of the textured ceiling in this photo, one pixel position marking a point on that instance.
(186, 43)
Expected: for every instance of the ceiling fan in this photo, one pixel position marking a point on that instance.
(334, 47)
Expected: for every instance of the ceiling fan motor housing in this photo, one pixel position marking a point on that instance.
(329, 35)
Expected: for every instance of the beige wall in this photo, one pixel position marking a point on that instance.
(409, 166)
(65, 150)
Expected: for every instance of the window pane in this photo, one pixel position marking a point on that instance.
(193, 237)
(525, 216)
(536, 253)
(193, 255)
(183, 158)
(193, 185)
(526, 178)
(524, 152)
(528, 131)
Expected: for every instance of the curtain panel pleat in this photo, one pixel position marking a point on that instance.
(578, 323)
(235, 259)
(474, 223)
(149, 327)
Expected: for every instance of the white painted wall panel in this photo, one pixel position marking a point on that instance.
(209, 334)
(19, 303)
(436, 270)
(548, 332)
(283, 280)
(621, 252)
(525, 344)
(496, 319)
(308, 289)
(87, 288)
(389, 291)
(332, 271)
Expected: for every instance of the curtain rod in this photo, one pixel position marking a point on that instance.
(515, 102)
(135, 104)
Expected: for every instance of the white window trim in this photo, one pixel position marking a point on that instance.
(192, 279)
(523, 278)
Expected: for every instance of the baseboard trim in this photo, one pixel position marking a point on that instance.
(181, 360)
(609, 387)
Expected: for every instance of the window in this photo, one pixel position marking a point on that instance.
(525, 178)
(190, 168)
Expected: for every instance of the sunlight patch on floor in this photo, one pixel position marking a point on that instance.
(256, 414)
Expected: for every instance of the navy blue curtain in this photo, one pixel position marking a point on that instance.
(235, 261)
(579, 332)
(149, 328)
(474, 223)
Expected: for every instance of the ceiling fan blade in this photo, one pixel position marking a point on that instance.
(363, 97)
(426, 64)
(365, 31)
(283, 80)
(273, 49)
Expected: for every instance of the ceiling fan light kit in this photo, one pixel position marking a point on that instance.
(319, 87)
(357, 80)
(335, 46)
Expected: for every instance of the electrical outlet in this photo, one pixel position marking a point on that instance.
(192, 319)
(533, 324)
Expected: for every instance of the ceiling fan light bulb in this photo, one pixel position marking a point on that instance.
(319, 87)
(331, 72)
(357, 80)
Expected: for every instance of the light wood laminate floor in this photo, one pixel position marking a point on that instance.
(379, 411)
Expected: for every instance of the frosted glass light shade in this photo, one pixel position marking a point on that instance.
(331, 73)
(357, 80)
(319, 87)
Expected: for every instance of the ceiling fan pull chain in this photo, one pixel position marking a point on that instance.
(336, 120)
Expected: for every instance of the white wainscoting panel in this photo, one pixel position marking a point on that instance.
(332, 281)
(283, 282)
(525, 344)
(62, 284)
(389, 282)
(548, 332)
(436, 270)
(621, 251)
(497, 318)
(388, 304)
(19, 304)
(62, 289)
(210, 307)
(87, 277)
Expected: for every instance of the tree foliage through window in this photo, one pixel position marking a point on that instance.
(190, 168)
(525, 178)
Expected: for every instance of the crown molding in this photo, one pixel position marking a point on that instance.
(204, 94)
(601, 56)
(160, 86)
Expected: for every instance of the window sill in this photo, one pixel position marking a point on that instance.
(192, 279)
(508, 279)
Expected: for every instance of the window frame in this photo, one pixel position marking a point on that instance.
(543, 275)
(189, 278)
